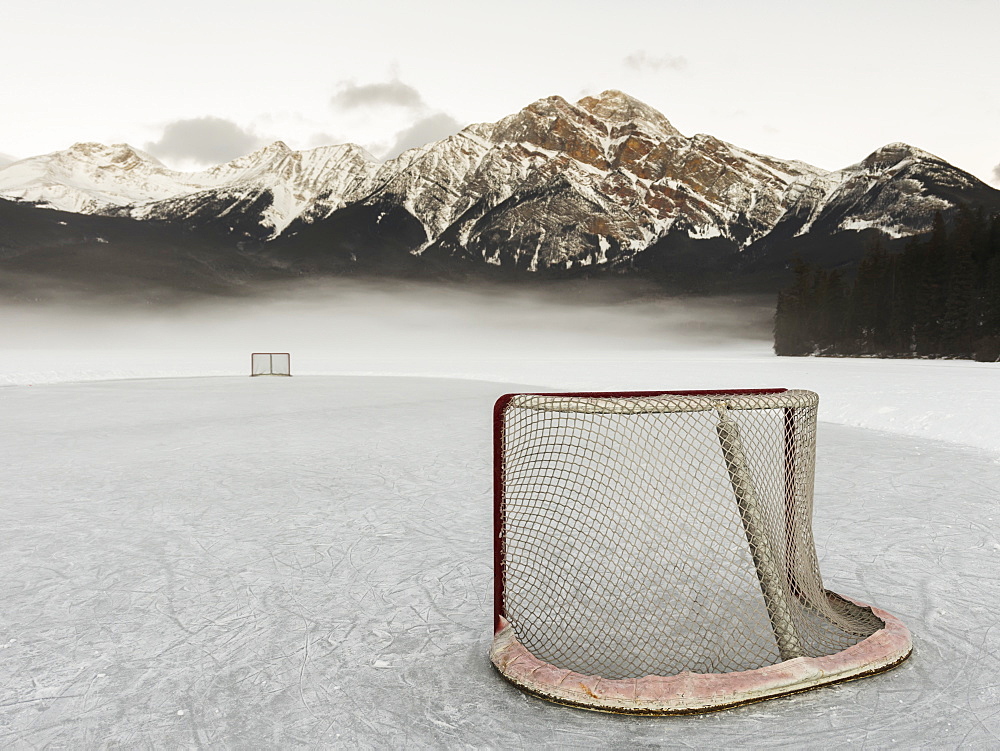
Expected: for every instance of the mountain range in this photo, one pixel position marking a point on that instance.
(605, 185)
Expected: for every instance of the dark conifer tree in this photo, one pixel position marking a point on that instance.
(791, 319)
(870, 304)
(905, 275)
(987, 344)
(830, 311)
(957, 322)
(930, 299)
(940, 297)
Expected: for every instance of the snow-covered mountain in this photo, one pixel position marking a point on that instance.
(896, 190)
(91, 178)
(554, 186)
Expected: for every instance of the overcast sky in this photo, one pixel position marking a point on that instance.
(200, 82)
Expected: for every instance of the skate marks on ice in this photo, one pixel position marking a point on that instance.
(239, 561)
(235, 562)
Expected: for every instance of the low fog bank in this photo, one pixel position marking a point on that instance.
(361, 326)
(569, 337)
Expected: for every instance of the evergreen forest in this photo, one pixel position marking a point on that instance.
(939, 297)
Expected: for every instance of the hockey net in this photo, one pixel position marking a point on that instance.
(644, 538)
(270, 363)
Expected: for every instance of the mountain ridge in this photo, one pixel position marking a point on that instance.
(606, 183)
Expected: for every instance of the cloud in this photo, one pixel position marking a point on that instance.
(996, 174)
(393, 93)
(642, 61)
(388, 105)
(206, 140)
(431, 128)
(324, 139)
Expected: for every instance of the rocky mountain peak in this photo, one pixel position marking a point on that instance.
(555, 125)
(892, 155)
(265, 155)
(118, 155)
(274, 158)
(621, 110)
(351, 150)
(278, 147)
(86, 148)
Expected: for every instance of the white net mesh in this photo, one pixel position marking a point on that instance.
(654, 535)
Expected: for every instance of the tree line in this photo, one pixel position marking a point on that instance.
(939, 297)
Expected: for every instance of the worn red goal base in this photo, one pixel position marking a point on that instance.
(698, 693)
(684, 692)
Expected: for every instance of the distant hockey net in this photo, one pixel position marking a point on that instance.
(270, 363)
(654, 553)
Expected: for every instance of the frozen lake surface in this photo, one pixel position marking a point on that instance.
(233, 562)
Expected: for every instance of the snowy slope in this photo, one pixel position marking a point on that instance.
(896, 189)
(292, 183)
(91, 178)
(96, 179)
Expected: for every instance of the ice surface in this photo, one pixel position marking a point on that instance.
(238, 561)
(231, 561)
(952, 400)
